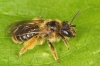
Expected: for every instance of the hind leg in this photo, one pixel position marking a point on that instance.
(30, 44)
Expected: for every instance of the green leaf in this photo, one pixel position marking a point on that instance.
(84, 48)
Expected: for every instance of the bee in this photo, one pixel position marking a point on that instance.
(36, 31)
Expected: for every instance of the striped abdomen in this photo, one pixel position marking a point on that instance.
(24, 37)
(23, 33)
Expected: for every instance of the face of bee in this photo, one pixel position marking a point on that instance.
(68, 29)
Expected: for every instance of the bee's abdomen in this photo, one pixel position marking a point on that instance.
(25, 37)
(24, 33)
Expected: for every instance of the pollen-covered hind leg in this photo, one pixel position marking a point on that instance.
(53, 51)
(30, 44)
(63, 38)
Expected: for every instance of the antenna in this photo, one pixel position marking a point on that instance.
(74, 16)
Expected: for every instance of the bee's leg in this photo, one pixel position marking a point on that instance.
(53, 51)
(63, 38)
(30, 44)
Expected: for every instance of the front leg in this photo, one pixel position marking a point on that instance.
(63, 38)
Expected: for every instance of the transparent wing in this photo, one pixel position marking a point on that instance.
(22, 27)
(12, 27)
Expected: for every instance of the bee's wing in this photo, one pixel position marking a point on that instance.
(12, 27)
(15, 25)
(22, 27)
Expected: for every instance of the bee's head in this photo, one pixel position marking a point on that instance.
(68, 29)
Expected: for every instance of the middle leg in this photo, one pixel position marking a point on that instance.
(53, 51)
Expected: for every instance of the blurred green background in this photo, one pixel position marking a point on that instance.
(84, 48)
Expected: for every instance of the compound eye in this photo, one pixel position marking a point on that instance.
(65, 32)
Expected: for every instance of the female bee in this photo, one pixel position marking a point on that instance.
(35, 32)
